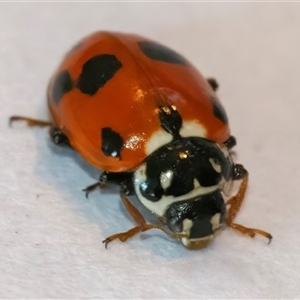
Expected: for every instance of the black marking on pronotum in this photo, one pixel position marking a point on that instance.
(170, 119)
(189, 159)
(62, 84)
(219, 111)
(161, 53)
(112, 142)
(96, 72)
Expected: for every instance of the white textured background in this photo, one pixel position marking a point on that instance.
(50, 245)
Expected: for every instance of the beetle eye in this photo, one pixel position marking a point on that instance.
(152, 191)
(174, 225)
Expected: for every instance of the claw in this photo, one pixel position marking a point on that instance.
(86, 193)
(106, 241)
(92, 187)
(270, 239)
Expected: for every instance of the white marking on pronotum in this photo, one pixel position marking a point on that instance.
(191, 128)
(196, 183)
(161, 137)
(157, 140)
(166, 179)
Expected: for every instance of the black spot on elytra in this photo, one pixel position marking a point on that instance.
(170, 119)
(161, 53)
(219, 111)
(96, 72)
(62, 85)
(112, 142)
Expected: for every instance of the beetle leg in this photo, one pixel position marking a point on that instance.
(30, 122)
(58, 137)
(236, 201)
(133, 211)
(230, 142)
(124, 236)
(251, 231)
(124, 179)
(92, 187)
(99, 184)
(142, 225)
(213, 83)
(235, 205)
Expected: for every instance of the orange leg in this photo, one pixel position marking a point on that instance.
(29, 121)
(57, 136)
(235, 205)
(236, 201)
(142, 225)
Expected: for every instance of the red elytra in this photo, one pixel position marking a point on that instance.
(138, 76)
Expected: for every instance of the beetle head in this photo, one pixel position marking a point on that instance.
(198, 219)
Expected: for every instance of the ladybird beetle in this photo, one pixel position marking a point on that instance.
(144, 115)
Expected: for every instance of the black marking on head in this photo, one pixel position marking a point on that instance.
(151, 189)
(62, 85)
(96, 72)
(200, 211)
(112, 142)
(189, 159)
(170, 119)
(213, 83)
(162, 53)
(219, 111)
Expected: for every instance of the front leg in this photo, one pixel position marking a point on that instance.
(141, 225)
(230, 142)
(126, 188)
(236, 203)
